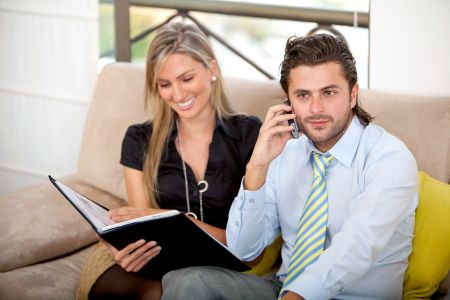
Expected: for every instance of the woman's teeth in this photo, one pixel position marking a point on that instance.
(186, 103)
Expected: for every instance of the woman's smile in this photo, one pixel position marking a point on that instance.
(185, 105)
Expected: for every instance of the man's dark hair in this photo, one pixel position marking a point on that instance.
(318, 49)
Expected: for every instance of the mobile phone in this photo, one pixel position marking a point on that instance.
(295, 131)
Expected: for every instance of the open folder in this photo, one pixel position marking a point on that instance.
(183, 243)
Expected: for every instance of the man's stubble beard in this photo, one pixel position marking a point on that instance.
(337, 130)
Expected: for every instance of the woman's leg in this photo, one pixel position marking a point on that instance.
(116, 283)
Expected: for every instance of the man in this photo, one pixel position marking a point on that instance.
(343, 196)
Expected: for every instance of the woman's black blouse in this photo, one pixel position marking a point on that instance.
(229, 152)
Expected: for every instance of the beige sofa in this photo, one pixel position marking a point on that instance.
(44, 242)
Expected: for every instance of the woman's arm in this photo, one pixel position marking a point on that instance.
(216, 232)
(138, 202)
(136, 255)
(134, 183)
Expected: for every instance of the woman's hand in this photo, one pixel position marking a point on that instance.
(135, 256)
(127, 213)
(273, 136)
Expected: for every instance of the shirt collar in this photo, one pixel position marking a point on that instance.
(345, 149)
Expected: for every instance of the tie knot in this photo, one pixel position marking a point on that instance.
(321, 163)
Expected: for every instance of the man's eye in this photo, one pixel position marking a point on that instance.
(329, 92)
(187, 79)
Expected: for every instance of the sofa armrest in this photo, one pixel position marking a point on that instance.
(38, 224)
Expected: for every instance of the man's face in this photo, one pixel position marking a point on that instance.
(322, 102)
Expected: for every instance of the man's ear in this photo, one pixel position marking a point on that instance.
(354, 95)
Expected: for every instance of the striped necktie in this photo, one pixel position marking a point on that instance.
(312, 227)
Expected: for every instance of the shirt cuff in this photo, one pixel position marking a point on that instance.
(245, 225)
(251, 201)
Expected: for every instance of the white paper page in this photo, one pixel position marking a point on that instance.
(144, 218)
(97, 214)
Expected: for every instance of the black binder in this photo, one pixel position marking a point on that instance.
(183, 243)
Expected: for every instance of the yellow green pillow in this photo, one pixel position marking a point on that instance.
(269, 258)
(429, 261)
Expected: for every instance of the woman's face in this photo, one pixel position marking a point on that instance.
(185, 84)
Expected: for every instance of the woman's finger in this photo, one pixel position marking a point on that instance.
(137, 257)
(146, 257)
(119, 256)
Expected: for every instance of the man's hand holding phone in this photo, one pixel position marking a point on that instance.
(273, 136)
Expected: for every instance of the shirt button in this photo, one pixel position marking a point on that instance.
(341, 289)
(251, 200)
(195, 193)
(236, 223)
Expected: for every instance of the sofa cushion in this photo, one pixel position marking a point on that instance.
(56, 279)
(118, 102)
(270, 259)
(429, 262)
(43, 225)
(253, 97)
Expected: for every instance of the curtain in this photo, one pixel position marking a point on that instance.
(48, 57)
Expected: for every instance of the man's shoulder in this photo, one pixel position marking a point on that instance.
(379, 144)
(376, 136)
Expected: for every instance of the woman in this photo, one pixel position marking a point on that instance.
(191, 157)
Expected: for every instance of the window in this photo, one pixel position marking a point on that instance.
(261, 40)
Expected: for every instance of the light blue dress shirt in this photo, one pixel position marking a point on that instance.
(372, 195)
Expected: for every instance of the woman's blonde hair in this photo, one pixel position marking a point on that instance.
(183, 39)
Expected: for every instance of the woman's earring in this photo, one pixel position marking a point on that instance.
(214, 78)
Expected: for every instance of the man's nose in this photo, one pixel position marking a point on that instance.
(316, 104)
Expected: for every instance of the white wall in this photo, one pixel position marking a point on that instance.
(410, 46)
(48, 56)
